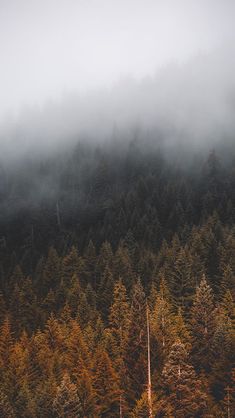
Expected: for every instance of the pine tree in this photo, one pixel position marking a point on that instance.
(105, 258)
(181, 281)
(45, 394)
(136, 351)
(17, 277)
(3, 310)
(17, 379)
(33, 369)
(79, 363)
(223, 346)
(106, 386)
(162, 324)
(51, 271)
(227, 305)
(67, 403)
(54, 334)
(228, 280)
(70, 266)
(123, 267)
(6, 410)
(181, 330)
(119, 321)
(6, 343)
(105, 292)
(23, 306)
(228, 403)
(203, 325)
(183, 390)
(77, 299)
(47, 306)
(76, 349)
(90, 262)
(84, 382)
(141, 409)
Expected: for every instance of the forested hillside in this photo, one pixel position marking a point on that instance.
(99, 245)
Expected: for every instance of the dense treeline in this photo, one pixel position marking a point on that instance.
(90, 241)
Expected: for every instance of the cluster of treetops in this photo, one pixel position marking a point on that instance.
(93, 241)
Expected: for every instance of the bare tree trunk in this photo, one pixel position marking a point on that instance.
(149, 367)
(120, 407)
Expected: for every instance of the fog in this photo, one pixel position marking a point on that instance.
(100, 69)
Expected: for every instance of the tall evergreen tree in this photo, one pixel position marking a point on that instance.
(51, 271)
(6, 410)
(67, 403)
(70, 266)
(119, 322)
(106, 386)
(203, 325)
(183, 390)
(136, 351)
(181, 281)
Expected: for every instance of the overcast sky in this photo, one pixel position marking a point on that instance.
(48, 47)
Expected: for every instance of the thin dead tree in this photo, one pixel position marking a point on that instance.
(120, 407)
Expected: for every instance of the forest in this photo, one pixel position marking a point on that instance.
(117, 267)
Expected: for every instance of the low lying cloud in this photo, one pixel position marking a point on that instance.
(104, 70)
(192, 102)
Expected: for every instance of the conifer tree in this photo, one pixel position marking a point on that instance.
(76, 348)
(84, 310)
(89, 262)
(123, 267)
(181, 281)
(84, 382)
(181, 330)
(183, 390)
(105, 258)
(47, 306)
(203, 325)
(228, 403)
(23, 306)
(136, 351)
(223, 346)
(6, 410)
(141, 409)
(106, 386)
(78, 302)
(45, 394)
(162, 324)
(70, 266)
(51, 271)
(228, 280)
(105, 292)
(67, 403)
(3, 310)
(119, 319)
(17, 277)
(6, 343)
(227, 306)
